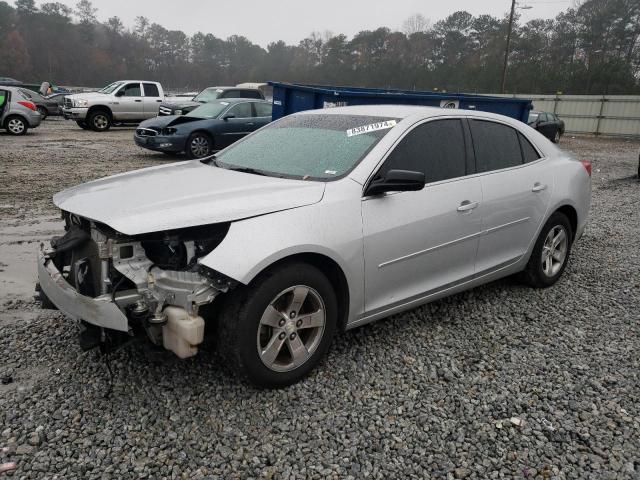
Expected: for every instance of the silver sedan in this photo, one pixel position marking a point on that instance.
(322, 221)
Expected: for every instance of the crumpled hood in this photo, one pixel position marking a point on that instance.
(175, 120)
(183, 194)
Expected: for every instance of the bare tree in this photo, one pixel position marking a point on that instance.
(415, 24)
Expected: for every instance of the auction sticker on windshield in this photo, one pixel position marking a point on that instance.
(372, 127)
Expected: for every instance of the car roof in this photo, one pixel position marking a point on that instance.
(402, 111)
(237, 100)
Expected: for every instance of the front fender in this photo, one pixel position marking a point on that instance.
(332, 228)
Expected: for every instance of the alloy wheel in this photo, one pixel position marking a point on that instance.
(100, 121)
(199, 147)
(291, 328)
(15, 126)
(554, 251)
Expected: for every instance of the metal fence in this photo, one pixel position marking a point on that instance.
(616, 115)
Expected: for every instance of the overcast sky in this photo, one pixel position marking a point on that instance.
(292, 20)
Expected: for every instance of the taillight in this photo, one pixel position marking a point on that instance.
(587, 166)
(29, 105)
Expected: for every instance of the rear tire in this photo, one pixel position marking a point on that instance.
(276, 330)
(43, 112)
(550, 253)
(16, 125)
(99, 121)
(199, 145)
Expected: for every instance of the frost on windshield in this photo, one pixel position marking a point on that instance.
(308, 146)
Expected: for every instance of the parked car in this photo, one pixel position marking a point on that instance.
(321, 221)
(123, 102)
(17, 112)
(209, 94)
(548, 124)
(8, 81)
(212, 126)
(45, 105)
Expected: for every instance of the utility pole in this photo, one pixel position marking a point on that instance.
(506, 50)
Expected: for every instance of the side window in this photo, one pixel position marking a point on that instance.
(544, 117)
(263, 109)
(250, 94)
(496, 145)
(528, 152)
(436, 148)
(132, 90)
(230, 94)
(242, 110)
(151, 90)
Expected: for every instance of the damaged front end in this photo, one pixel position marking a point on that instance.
(150, 282)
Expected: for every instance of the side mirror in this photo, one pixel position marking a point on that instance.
(227, 117)
(397, 181)
(120, 93)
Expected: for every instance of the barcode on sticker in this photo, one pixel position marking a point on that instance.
(372, 127)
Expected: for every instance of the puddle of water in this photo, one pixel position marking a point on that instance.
(18, 252)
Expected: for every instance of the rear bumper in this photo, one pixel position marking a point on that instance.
(100, 311)
(34, 119)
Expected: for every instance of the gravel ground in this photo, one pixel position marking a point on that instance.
(499, 382)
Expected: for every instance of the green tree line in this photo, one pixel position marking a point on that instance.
(591, 48)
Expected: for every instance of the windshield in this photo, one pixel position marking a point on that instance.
(110, 88)
(208, 95)
(308, 146)
(208, 110)
(533, 117)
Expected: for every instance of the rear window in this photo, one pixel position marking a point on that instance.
(496, 145)
(250, 94)
(528, 152)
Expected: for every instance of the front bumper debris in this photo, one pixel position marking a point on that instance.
(100, 311)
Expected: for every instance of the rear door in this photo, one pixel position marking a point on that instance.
(130, 104)
(516, 189)
(262, 114)
(151, 100)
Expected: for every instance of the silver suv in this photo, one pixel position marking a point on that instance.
(17, 113)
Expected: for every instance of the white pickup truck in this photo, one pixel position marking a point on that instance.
(124, 101)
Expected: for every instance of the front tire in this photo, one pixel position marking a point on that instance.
(550, 253)
(82, 124)
(16, 125)
(199, 145)
(276, 330)
(99, 121)
(556, 137)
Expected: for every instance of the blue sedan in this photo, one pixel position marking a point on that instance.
(210, 127)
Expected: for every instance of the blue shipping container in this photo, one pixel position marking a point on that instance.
(290, 98)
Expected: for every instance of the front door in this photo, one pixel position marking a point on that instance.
(238, 122)
(4, 101)
(517, 189)
(418, 243)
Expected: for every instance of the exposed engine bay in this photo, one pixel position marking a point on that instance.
(154, 279)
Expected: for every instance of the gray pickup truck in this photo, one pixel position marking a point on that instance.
(124, 101)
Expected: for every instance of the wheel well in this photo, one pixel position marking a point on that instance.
(15, 115)
(102, 108)
(333, 272)
(572, 215)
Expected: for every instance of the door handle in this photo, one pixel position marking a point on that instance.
(159, 101)
(467, 206)
(538, 187)
(137, 100)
